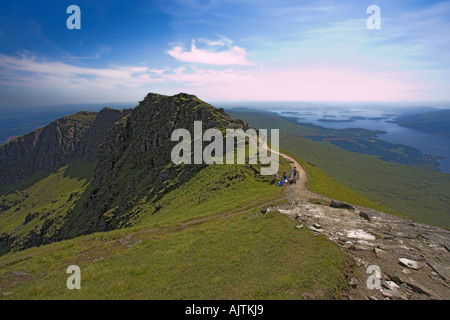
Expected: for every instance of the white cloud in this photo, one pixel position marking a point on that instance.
(222, 41)
(234, 55)
(28, 72)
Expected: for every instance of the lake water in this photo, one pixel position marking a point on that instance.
(13, 123)
(428, 144)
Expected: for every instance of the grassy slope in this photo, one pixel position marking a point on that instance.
(416, 193)
(325, 185)
(206, 241)
(51, 196)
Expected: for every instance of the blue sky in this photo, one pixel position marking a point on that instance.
(224, 51)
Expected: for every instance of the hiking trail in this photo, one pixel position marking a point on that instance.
(413, 259)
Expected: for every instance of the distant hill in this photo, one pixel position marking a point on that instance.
(435, 122)
(362, 141)
(413, 192)
(18, 121)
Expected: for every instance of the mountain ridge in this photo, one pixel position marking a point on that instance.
(123, 158)
(55, 145)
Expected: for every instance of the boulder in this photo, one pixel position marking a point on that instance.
(381, 253)
(394, 289)
(312, 228)
(365, 216)
(353, 282)
(411, 264)
(363, 247)
(360, 234)
(339, 204)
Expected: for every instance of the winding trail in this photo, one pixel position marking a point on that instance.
(378, 239)
(298, 192)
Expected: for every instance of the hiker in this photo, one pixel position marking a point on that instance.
(294, 175)
(283, 180)
(275, 178)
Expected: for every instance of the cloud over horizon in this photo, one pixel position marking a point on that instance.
(29, 72)
(239, 50)
(233, 55)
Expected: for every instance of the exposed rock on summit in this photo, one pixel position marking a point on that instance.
(130, 151)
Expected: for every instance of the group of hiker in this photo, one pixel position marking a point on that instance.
(285, 178)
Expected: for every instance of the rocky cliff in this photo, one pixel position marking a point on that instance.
(134, 161)
(46, 149)
(130, 152)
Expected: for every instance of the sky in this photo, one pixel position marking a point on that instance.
(228, 50)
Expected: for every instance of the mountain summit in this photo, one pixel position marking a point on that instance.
(113, 159)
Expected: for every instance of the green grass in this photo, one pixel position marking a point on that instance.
(263, 257)
(416, 193)
(7, 188)
(57, 203)
(325, 185)
(217, 188)
(207, 241)
(201, 237)
(50, 197)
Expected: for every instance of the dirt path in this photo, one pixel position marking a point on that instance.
(298, 192)
(377, 239)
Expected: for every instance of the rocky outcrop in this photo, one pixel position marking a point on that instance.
(134, 160)
(339, 204)
(47, 149)
(98, 131)
(413, 258)
(131, 151)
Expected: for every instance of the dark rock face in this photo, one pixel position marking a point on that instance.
(339, 204)
(131, 151)
(97, 132)
(134, 160)
(49, 148)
